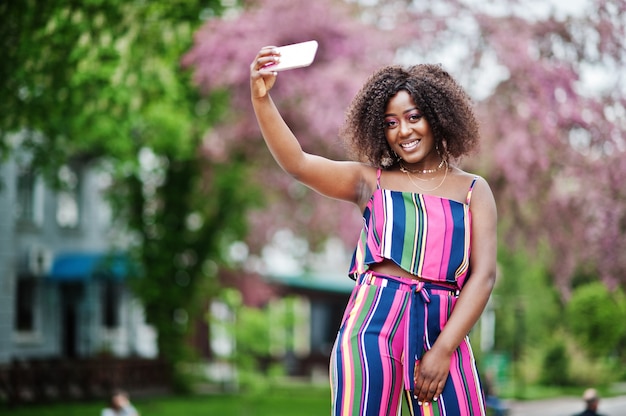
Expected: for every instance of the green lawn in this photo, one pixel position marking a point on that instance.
(281, 401)
(296, 399)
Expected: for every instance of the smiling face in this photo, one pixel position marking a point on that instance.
(408, 133)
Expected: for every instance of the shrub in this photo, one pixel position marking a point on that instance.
(594, 319)
(555, 366)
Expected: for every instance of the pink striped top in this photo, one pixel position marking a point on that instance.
(426, 235)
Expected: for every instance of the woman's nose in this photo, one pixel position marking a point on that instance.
(405, 129)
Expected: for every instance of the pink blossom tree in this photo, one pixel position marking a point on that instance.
(553, 147)
(557, 142)
(312, 100)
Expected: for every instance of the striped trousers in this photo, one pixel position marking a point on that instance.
(388, 325)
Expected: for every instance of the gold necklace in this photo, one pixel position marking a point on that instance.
(405, 170)
(422, 171)
(427, 190)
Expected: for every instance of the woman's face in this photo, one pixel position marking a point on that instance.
(408, 133)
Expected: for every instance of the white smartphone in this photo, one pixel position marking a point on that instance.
(297, 55)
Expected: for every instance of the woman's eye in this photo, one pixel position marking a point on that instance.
(390, 123)
(415, 117)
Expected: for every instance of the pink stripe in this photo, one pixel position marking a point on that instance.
(391, 388)
(447, 249)
(443, 310)
(378, 207)
(347, 399)
(361, 348)
(468, 244)
(457, 380)
(470, 403)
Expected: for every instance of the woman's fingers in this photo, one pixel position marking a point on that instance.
(265, 58)
(428, 391)
(262, 78)
(428, 386)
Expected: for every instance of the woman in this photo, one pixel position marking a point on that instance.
(425, 262)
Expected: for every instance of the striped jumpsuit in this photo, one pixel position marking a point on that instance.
(391, 321)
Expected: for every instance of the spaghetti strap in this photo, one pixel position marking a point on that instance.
(469, 192)
(378, 173)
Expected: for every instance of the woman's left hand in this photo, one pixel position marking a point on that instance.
(431, 373)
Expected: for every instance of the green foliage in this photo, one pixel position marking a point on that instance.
(587, 371)
(102, 81)
(595, 318)
(526, 303)
(99, 78)
(555, 365)
(183, 237)
(550, 343)
(250, 330)
(301, 400)
(559, 364)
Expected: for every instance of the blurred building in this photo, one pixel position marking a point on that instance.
(62, 287)
(64, 292)
(319, 301)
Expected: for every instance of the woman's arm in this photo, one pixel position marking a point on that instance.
(433, 369)
(349, 181)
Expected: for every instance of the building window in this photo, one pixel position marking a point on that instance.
(25, 305)
(111, 294)
(29, 203)
(326, 317)
(68, 207)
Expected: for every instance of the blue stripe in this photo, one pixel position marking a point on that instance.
(368, 258)
(399, 218)
(371, 350)
(457, 249)
(338, 377)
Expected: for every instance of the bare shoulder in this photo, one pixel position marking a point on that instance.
(482, 199)
(462, 177)
(480, 190)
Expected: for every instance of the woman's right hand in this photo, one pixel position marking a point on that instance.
(262, 78)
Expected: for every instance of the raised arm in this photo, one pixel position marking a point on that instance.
(349, 181)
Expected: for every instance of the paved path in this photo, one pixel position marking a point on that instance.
(567, 406)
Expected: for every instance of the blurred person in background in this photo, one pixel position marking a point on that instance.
(119, 405)
(591, 398)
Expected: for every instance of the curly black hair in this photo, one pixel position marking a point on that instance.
(440, 99)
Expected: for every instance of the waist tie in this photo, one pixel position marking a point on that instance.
(421, 292)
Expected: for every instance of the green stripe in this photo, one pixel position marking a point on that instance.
(411, 222)
(368, 301)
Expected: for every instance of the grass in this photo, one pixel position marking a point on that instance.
(296, 399)
(280, 401)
